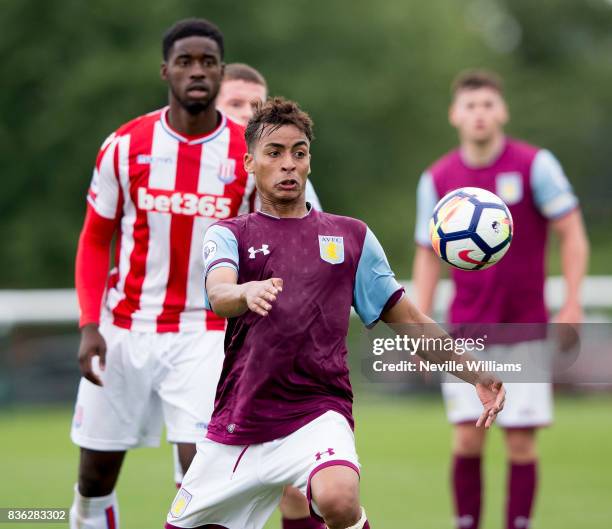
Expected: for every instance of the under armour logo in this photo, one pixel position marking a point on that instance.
(329, 451)
(264, 250)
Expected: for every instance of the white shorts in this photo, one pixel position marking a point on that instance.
(528, 404)
(234, 487)
(150, 378)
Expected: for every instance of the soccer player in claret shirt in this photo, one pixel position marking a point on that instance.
(532, 183)
(149, 348)
(286, 276)
(241, 86)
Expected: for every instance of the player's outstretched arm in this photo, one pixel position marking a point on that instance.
(228, 299)
(489, 388)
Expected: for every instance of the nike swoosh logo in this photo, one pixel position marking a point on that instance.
(465, 255)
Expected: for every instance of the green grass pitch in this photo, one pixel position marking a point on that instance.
(404, 449)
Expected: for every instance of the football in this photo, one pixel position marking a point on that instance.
(471, 228)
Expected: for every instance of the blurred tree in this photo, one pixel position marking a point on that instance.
(374, 77)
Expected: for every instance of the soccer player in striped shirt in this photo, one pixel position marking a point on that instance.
(149, 348)
(286, 276)
(532, 183)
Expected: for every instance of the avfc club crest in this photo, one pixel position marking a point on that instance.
(509, 187)
(180, 503)
(331, 248)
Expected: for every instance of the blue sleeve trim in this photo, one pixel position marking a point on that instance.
(220, 249)
(427, 198)
(552, 192)
(391, 302)
(375, 283)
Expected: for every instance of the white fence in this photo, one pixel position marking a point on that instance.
(60, 305)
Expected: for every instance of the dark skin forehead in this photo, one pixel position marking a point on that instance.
(195, 46)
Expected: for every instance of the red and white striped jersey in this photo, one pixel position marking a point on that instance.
(165, 189)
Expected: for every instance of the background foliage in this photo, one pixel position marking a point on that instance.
(374, 76)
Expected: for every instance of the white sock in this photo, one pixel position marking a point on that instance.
(361, 522)
(101, 512)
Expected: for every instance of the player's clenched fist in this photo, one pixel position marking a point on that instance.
(259, 295)
(92, 344)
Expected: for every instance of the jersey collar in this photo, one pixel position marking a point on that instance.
(192, 140)
(308, 207)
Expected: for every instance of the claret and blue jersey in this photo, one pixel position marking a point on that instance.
(533, 185)
(286, 369)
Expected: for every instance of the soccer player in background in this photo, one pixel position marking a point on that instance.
(241, 86)
(149, 348)
(286, 277)
(532, 183)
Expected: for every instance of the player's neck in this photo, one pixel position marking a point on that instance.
(281, 210)
(482, 154)
(192, 124)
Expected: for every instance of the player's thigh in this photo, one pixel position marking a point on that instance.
(184, 452)
(222, 487)
(293, 504)
(325, 442)
(125, 412)
(528, 405)
(189, 385)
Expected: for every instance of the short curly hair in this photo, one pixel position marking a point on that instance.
(191, 27)
(273, 114)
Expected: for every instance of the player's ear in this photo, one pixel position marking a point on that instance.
(452, 114)
(505, 114)
(248, 162)
(163, 71)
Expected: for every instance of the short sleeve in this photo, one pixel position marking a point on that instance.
(552, 192)
(311, 196)
(220, 249)
(375, 285)
(104, 192)
(427, 198)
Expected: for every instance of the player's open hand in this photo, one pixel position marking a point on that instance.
(492, 394)
(92, 344)
(260, 295)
